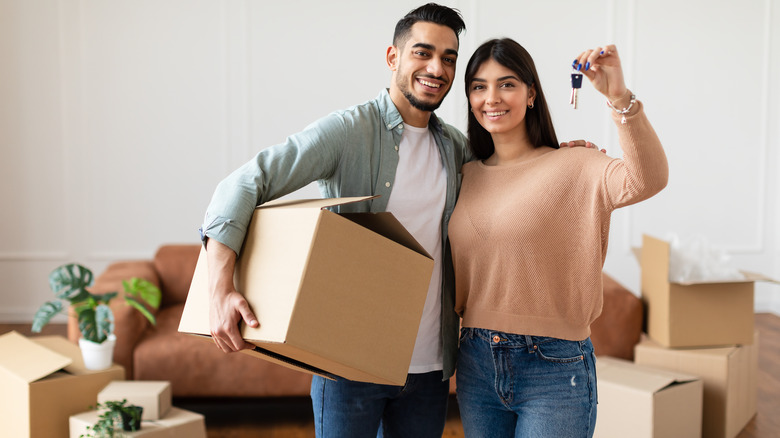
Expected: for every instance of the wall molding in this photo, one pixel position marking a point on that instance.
(33, 256)
(758, 246)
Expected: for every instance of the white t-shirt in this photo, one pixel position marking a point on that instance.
(417, 201)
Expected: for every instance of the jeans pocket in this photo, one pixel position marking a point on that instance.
(560, 351)
(465, 333)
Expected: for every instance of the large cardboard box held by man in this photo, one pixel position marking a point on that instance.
(729, 375)
(703, 314)
(335, 294)
(644, 402)
(44, 382)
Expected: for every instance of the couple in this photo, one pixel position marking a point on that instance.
(527, 237)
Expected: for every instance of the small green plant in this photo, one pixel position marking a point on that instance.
(96, 321)
(116, 417)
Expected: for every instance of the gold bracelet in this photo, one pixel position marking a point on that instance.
(624, 110)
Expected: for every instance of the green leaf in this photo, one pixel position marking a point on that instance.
(140, 307)
(89, 304)
(45, 313)
(144, 290)
(70, 282)
(104, 298)
(87, 324)
(96, 324)
(105, 321)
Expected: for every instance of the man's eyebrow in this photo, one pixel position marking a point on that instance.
(431, 47)
(425, 46)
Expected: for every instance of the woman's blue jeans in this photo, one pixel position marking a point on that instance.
(525, 386)
(348, 409)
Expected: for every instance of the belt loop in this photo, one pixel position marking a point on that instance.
(529, 342)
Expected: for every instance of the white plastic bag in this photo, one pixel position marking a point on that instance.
(694, 260)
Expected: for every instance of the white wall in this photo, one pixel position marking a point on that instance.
(118, 118)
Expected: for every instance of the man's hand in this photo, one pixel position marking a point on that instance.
(227, 307)
(581, 143)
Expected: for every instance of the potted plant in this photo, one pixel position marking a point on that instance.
(96, 321)
(116, 416)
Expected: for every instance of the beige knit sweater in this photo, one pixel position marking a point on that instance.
(529, 239)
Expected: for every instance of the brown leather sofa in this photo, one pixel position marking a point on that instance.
(197, 368)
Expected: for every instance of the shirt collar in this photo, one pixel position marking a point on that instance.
(392, 118)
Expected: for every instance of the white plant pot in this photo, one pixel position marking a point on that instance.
(98, 356)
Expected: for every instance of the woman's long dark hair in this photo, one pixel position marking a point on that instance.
(538, 122)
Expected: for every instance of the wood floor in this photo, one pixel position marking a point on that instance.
(292, 418)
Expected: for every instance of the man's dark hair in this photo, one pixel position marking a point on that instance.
(432, 13)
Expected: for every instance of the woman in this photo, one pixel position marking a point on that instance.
(529, 237)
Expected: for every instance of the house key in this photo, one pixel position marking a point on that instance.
(576, 84)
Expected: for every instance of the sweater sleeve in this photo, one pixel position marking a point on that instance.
(643, 171)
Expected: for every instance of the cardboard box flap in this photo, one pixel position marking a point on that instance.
(646, 379)
(749, 277)
(29, 360)
(754, 276)
(655, 256)
(66, 348)
(387, 225)
(292, 363)
(314, 203)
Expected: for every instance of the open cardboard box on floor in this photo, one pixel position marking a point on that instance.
(729, 375)
(335, 294)
(644, 402)
(694, 314)
(44, 382)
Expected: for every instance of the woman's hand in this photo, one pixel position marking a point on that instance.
(602, 66)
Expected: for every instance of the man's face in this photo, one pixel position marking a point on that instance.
(424, 68)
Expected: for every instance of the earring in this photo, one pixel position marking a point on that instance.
(531, 105)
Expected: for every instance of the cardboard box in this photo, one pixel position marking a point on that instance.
(638, 402)
(701, 314)
(44, 381)
(153, 396)
(178, 423)
(335, 294)
(729, 375)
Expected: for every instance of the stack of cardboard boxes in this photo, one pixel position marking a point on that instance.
(702, 330)
(44, 382)
(159, 419)
(46, 390)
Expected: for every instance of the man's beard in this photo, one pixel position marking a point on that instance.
(420, 105)
(405, 88)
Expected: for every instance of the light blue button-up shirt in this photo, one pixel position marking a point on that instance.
(352, 152)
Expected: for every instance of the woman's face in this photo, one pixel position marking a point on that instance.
(499, 98)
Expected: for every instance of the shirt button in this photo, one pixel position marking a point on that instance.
(387, 184)
(396, 147)
(496, 339)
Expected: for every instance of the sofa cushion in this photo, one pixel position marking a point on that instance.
(619, 327)
(175, 264)
(197, 368)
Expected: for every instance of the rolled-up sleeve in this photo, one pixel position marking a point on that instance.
(304, 157)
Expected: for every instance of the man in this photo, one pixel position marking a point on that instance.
(393, 146)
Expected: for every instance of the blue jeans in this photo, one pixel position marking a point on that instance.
(525, 386)
(344, 408)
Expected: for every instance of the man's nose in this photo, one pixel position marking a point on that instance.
(435, 67)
